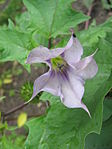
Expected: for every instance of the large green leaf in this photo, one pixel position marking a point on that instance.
(102, 141)
(67, 128)
(35, 134)
(14, 45)
(52, 17)
(93, 34)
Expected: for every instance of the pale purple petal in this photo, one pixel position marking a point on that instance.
(47, 82)
(73, 51)
(53, 85)
(39, 83)
(72, 90)
(38, 55)
(87, 67)
(42, 54)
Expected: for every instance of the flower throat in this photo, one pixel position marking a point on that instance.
(58, 63)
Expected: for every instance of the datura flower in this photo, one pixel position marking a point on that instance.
(67, 72)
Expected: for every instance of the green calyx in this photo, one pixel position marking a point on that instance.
(58, 63)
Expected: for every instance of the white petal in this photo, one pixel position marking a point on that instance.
(39, 83)
(73, 51)
(72, 91)
(52, 86)
(38, 55)
(47, 82)
(87, 67)
(43, 54)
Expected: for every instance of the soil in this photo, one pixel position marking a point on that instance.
(10, 102)
(98, 13)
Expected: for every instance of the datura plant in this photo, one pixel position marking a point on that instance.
(77, 84)
(67, 72)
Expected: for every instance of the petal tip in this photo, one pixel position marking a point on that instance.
(95, 52)
(86, 109)
(26, 62)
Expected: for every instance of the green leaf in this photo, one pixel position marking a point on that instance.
(107, 111)
(3, 126)
(12, 142)
(36, 131)
(66, 128)
(93, 34)
(102, 141)
(106, 5)
(95, 141)
(52, 17)
(14, 46)
(2, 98)
(10, 10)
(11, 24)
(23, 23)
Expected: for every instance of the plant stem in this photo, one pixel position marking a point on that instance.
(89, 14)
(15, 118)
(2, 117)
(49, 43)
(16, 109)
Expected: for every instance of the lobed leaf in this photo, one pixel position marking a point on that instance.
(14, 46)
(102, 141)
(53, 17)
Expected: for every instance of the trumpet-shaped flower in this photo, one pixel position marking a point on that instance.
(67, 72)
